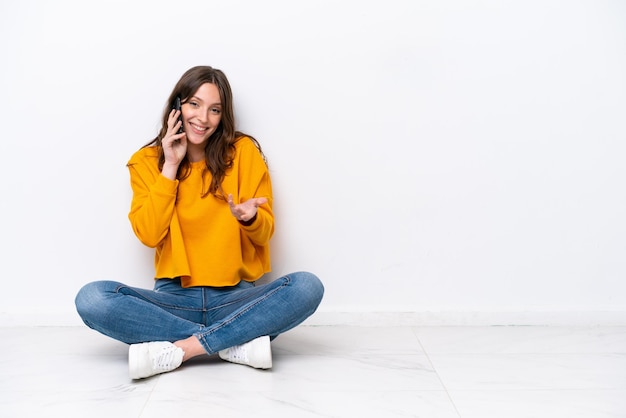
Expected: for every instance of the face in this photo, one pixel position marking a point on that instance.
(202, 114)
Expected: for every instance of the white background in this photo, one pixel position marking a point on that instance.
(427, 156)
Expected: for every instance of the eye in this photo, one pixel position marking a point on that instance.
(193, 103)
(216, 111)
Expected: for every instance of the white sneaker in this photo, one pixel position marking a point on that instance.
(256, 353)
(148, 359)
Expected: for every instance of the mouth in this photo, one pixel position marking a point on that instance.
(200, 130)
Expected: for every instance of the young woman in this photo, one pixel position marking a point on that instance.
(202, 197)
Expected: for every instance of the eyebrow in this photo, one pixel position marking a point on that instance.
(200, 100)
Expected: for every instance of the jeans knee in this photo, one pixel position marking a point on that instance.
(311, 287)
(89, 299)
(84, 299)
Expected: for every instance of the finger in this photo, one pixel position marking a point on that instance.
(172, 116)
(178, 141)
(172, 139)
(261, 201)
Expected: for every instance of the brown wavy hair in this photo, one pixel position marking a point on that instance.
(220, 148)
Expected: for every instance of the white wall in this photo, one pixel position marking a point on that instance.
(429, 156)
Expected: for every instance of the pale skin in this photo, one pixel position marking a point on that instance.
(201, 116)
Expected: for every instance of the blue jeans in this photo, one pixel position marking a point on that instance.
(220, 317)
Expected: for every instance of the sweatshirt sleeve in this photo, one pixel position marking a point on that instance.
(154, 197)
(254, 181)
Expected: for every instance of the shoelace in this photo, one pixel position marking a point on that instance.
(238, 352)
(165, 359)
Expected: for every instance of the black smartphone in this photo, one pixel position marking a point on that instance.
(180, 117)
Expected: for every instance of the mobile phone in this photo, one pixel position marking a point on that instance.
(180, 117)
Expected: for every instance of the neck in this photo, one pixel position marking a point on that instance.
(195, 154)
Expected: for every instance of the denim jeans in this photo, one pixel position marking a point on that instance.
(220, 317)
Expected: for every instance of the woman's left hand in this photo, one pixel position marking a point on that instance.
(246, 210)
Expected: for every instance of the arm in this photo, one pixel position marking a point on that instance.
(253, 205)
(152, 206)
(154, 192)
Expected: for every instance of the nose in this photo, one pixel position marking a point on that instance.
(205, 115)
(202, 116)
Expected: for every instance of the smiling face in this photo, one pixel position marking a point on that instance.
(202, 114)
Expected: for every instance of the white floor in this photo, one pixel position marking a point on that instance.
(432, 372)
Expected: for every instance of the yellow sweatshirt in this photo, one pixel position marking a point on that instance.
(198, 239)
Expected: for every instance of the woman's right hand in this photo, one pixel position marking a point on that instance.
(174, 145)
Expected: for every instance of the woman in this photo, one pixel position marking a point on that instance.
(202, 197)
